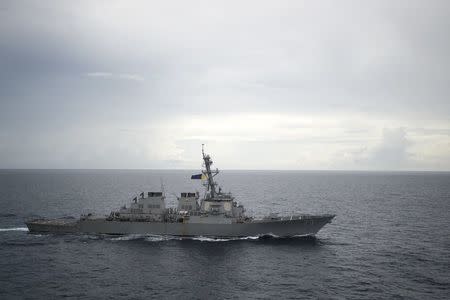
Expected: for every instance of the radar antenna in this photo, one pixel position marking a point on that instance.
(210, 174)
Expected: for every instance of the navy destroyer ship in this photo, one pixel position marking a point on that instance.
(216, 214)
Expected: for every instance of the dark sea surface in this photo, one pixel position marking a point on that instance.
(389, 240)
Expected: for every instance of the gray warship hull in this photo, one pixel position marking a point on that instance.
(282, 227)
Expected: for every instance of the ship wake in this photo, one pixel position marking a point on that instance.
(163, 238)
(14, 229)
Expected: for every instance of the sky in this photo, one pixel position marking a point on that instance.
(284, 85)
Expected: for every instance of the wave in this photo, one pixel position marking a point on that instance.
(163, 238)
(14, 229)
(7, 215)
(218, 239)
(166, 238)
(128, 237)
(145, 237)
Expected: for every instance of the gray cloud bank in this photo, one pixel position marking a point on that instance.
(267, 85)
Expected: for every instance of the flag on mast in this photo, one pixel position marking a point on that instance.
(199, 176)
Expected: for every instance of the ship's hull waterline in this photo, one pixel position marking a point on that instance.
(281, 227)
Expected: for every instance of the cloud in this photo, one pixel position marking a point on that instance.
(290, 85)
(431, 131)
(124, 76)
(392, 151)
(99, 74)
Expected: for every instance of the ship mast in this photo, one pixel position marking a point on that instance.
(209, 173)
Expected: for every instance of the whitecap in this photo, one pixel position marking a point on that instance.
(249, 238)
(128, 237)
(161, 238)
(219, 239)
(145, 237)
(210, 239)
(14, 229)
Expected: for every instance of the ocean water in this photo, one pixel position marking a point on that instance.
(389, 240)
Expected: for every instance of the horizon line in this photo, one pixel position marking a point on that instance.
(250, 170)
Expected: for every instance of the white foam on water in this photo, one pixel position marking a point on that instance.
(38, 235)
(161, 238)
(209, 239)
(14, 229)
(129, 237)
(249, 238)
(146, 237)
(216, 239)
